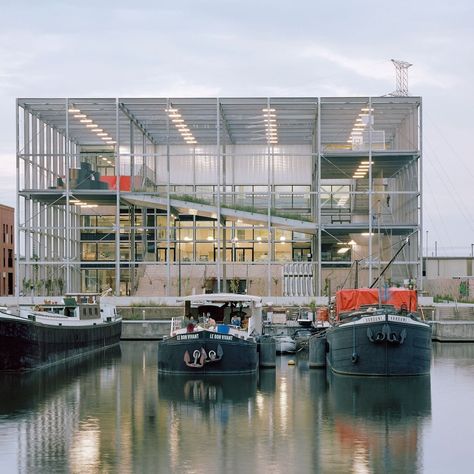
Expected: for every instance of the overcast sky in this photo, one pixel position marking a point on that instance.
(111, 48)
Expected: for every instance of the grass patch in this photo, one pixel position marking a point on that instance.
(237, 207)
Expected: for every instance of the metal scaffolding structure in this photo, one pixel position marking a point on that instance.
(165, 196)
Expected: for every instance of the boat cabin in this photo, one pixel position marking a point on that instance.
(224, 310)
(82, 306)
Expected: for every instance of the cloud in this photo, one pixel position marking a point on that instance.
(24, 60)
(7, 180)
(421, 74)
(363, 67)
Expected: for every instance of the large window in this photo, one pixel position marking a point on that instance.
(261, 235)
(106, 251)
(205, 231)
(292, 197)
(335, 197)
(96, 280)
(205, 252)
(89, 251)
(185, 251)
(282, 235)
(335, 253)
(161, 227)
(301, 254)
(243, 233)
(260, 252)
(125, 252)
(88, 224)
(283, 252)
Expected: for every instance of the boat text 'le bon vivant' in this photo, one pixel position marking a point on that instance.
(33, 336)
(377, 332)
(219, 336)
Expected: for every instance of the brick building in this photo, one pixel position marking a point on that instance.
(7, 252)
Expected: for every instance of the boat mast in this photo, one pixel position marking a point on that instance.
(389, 263)
(380, 252)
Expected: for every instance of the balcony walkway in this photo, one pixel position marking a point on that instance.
(207, 210)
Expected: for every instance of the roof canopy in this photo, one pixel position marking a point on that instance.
(240, 120)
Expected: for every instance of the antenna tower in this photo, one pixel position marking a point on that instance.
(401, 68)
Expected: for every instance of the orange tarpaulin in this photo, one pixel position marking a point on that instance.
(350, 300)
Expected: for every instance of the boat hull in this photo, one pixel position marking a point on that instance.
(387, 346)
(27, 344)
(206, 352)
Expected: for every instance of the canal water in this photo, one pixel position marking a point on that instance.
(114, 413)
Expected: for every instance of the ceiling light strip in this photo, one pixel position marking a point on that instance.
(90, 125)
(180, 124)
(270, 121)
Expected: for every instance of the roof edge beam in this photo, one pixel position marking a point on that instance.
(138, 124)
(226, 125)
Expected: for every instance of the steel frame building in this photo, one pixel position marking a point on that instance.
(166, 196)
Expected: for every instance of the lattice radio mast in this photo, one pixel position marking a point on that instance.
(401, 68)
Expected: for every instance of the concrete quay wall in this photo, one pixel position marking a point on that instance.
(453, 331)
(443, 331)
(145, 330)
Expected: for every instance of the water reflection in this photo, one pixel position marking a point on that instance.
(114, 413)
(46, 407)
(460, 353)
(448, 441)
(377, 423)
(207, 392)
(22, 391)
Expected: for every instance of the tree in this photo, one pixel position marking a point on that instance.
(27, 285)
(234, 285)
(60, 283)
(48, 285)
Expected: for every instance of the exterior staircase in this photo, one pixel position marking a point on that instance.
(361, 201)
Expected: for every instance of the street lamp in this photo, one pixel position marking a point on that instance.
(179, 268)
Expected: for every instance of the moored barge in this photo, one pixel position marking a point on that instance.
(219, 336)
(36, 336)
(378, 335)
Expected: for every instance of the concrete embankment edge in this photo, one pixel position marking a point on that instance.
(145, 330)
(443, 331)
(453, 331)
